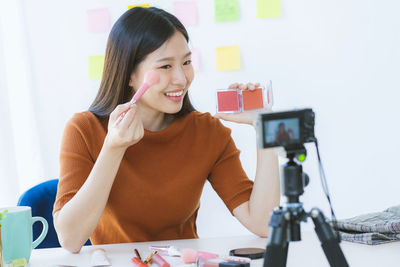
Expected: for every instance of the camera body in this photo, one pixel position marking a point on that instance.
(289, 129)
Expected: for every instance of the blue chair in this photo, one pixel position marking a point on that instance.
(41, 199)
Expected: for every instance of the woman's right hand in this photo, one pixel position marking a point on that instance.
(128, 131)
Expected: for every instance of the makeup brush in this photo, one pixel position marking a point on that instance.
(150, 78)
(190, 255)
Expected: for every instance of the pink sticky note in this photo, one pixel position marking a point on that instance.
(195, 59)
(186, 12)
(99, 20)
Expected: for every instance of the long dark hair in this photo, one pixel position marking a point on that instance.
(137, 33)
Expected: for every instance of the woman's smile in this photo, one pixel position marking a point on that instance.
(176, 95)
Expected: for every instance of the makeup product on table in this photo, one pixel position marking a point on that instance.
(150, 78)
(234, 264)
(158, 260)
(236, 258)
(138, 263)
(252, 253)
(223, 263)
(190, 255)
(226, 261)
(137, 254)
(149, 258)
(99, 258)
(236, 100)
(166, 250)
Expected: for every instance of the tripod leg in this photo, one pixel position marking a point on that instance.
(329, 240)
(277, 247)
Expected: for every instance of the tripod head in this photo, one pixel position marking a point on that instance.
(293, 183)
(294, 179)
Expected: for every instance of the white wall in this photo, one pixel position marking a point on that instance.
(339, 57)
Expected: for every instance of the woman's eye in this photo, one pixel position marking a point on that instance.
(166, 67)
(187, 62)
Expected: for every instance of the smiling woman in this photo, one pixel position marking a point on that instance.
(133, 37)
(142, 178)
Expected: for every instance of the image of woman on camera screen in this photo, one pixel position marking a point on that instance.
(283, 135)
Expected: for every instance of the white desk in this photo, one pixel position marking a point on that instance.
(307, 253)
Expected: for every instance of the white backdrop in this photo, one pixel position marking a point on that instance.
(339, 57)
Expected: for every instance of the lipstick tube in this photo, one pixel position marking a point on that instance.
(157, 259)
(138, 263)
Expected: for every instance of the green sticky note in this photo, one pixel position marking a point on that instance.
(226, 10)
(268, 8)
(228, 58)
(96, 64)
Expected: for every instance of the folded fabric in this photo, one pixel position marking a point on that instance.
(372, 228)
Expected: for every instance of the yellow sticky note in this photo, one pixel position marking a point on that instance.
(96, 64)
(268, 8)
(228, 58)
(141, 5)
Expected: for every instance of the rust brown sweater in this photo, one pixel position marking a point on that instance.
(157, 189)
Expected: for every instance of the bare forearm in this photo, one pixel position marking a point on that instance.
(265, 196)
(255, 213)
(266, 191)
(76, 221)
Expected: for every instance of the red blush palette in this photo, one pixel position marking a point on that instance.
(229, 100)
(236, 100)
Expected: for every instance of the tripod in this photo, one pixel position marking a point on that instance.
(285, 221)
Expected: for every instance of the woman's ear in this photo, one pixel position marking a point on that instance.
(131, 81)
(132, 78)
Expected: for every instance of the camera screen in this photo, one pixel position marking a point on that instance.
(282, 131)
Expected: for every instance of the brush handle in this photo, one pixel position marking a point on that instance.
(133, 102)
(135, 98)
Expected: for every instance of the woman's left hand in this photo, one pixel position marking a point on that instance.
(247, 117)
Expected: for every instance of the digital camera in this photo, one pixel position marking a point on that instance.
(288, 129)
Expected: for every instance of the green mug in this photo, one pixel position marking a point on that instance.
(16, 233)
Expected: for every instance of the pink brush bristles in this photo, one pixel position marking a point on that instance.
(150, 78)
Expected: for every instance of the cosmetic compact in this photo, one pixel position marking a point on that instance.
(237, 100)
(252, 253)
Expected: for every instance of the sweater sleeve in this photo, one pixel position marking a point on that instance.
(227, 176)
(75, 160)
